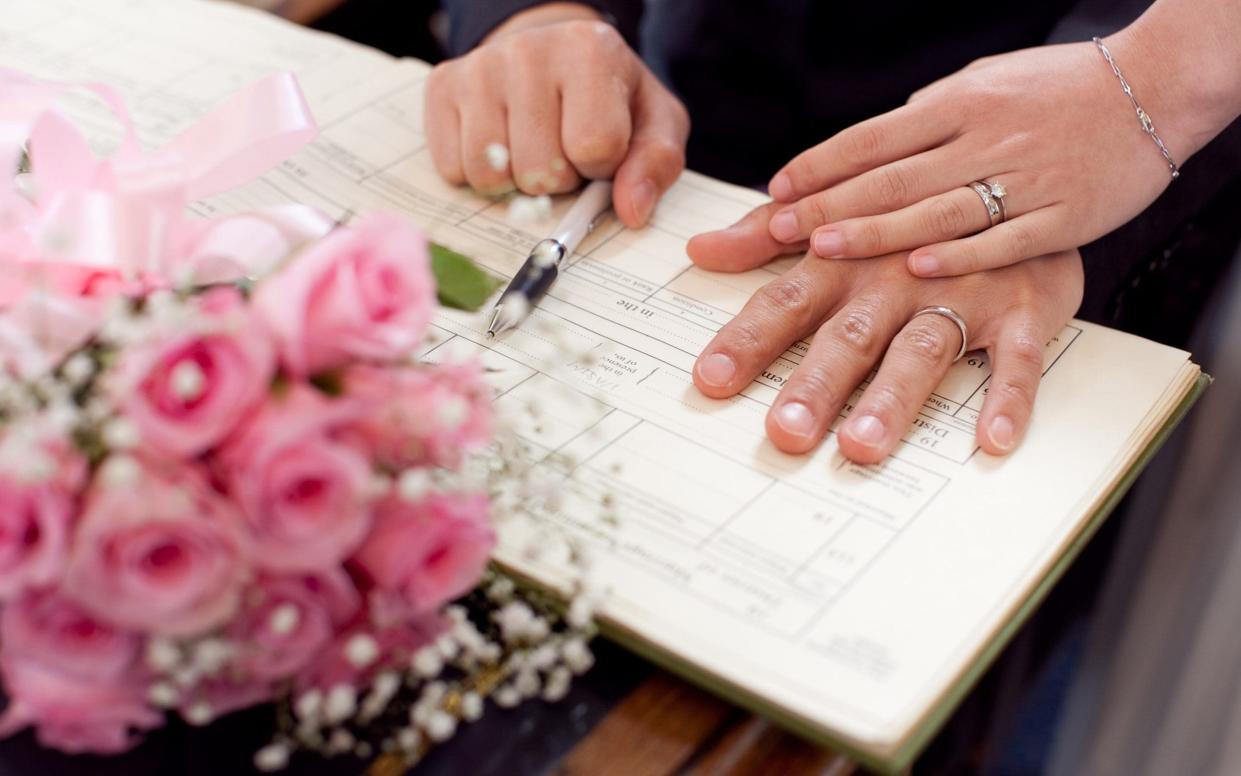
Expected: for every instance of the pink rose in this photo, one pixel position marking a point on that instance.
(187, 391)
(75, 679)
(42, 473)
(34, 534)
(418, 416)
(364, 292)
(289, 620)
(304, 494)
(157, 551)
(428, 553)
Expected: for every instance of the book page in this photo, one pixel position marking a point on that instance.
(850, 597)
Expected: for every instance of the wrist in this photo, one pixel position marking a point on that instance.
(1189, 91)
(543, 15)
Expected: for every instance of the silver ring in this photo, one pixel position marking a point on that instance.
(996, 211)
(950, 314)
(999, 192)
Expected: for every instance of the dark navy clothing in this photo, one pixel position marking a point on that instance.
(764, 80)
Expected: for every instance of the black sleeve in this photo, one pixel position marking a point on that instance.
(1153, 275)
(471, 20)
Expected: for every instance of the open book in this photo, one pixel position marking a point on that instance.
(853, 604)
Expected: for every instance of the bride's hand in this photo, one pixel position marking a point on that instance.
(1051, 124)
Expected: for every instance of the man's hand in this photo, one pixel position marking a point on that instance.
(563, 92)
(860, 316)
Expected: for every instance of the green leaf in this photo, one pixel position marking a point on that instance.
(459, 281)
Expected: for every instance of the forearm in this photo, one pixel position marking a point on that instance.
(472, 21)
(1183, 60)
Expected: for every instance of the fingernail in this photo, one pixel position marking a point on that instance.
(828, 243)
(924, 264)
(717, 370)
(784, 226)
(795, 418)
(781, 187)
(1001, 432)
(868, 430)
(644, 200)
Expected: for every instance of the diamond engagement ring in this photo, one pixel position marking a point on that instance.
(992, 196)
(950, 314)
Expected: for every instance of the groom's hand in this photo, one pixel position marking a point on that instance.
(862, 317)
(562, 92)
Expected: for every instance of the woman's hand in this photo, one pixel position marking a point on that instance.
(1051, 124)
(861, 317)
(567, 97)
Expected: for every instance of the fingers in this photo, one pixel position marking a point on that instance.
(1027, 236)
(656, 154)
(539, 164)
(744, 245)
(843, 352)
(443, 128)
(597, 128)
(778, 315)
(484, 127)
(882, 190)
(1018, 347)
(1016, 369)
(945, 217)
(916, 362)
(895, 135)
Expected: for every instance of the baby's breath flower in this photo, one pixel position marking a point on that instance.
(273, 757)
(361, 650)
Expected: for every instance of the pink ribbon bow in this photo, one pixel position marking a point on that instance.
(83, 226)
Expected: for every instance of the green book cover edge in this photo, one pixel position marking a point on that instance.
(914, 743)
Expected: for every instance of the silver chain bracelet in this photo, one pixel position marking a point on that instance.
(1148, 126)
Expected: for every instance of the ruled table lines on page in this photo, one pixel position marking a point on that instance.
(849, 595)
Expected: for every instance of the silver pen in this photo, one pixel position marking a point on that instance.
(543, 265)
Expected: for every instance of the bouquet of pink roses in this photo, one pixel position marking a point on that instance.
(216, 493)
(224, 493)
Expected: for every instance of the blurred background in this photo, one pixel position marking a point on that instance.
(1139, 670)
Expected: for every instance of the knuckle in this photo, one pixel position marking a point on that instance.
(791, 294)
(946, 219)
(665, 154)
(815, 383)
(864, 144)
(892, 186)
(1027, 352)
(870, 237)
(743, 335)
(925, 342)
(1022, 240)
(814, 209)
(858, 330)
(597, 149)
(593, 39)
(1013, 392)
(884, 399)
(518, 56)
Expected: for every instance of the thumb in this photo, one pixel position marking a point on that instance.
(744, 245)
(656, 154)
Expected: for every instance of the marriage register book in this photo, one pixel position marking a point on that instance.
(853, 604)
